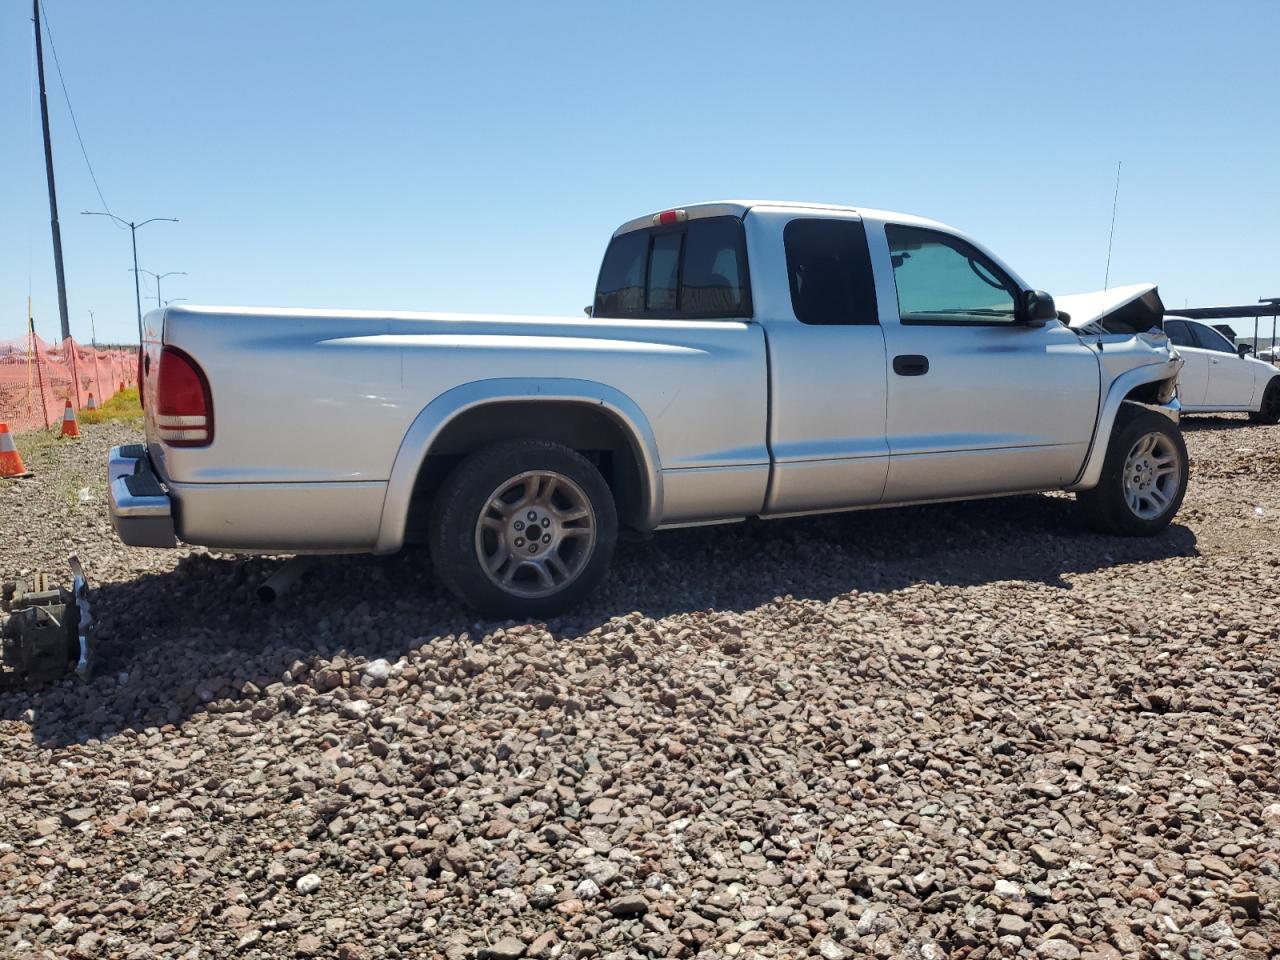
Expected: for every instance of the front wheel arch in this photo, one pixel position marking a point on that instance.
(1152, 387)
(1107, 507)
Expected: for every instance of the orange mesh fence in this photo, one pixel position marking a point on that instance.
(37, 379)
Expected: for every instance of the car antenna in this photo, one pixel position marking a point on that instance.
(1114, 200)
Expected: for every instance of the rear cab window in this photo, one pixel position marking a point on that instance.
(682, 271)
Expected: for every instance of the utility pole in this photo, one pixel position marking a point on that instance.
(48, 169)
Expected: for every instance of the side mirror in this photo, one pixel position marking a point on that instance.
(589, 311)
(1243, 350)
(1037, 308)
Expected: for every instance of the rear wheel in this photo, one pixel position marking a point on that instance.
(1144, 477)
(1269, 411)
(523, 528)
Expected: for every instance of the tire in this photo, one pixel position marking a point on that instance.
(1269, 411)
(1133, 498)
(481, 520)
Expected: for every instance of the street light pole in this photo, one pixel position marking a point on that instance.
(133, 233)
(157, 277)
(93, 339)
(137, 289)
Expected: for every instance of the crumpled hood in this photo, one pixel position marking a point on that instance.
(1086, 309)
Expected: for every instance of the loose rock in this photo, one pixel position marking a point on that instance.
(971, 726)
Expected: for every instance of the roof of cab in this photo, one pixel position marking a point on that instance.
(739, 208)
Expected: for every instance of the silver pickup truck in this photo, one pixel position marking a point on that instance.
(741, 359)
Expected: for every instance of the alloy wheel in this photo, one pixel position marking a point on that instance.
(1151, 475)
(535, 534)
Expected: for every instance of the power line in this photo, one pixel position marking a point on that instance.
(48, 28)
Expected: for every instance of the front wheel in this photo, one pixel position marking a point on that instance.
(1269, 411)
(1144, 477)
(523, 528)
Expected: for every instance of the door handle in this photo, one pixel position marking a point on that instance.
(910, 365)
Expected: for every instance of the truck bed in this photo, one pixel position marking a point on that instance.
(316, 404)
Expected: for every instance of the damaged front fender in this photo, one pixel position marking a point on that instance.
(1153, 386)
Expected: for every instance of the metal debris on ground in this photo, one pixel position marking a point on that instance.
(47, 631)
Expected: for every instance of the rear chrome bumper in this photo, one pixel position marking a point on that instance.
(141, 510)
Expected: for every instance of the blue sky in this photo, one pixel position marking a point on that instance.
(475, 157)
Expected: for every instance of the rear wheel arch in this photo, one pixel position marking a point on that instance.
(593, 419)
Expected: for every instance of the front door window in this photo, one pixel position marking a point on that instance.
(943, 280)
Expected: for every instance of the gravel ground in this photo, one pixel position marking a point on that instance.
(955, 731)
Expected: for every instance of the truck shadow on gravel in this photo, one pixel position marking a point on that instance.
(1206, 423)
(176, 643)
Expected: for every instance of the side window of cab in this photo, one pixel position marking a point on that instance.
(829, 269)
(942, 280)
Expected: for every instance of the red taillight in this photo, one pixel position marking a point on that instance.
(668, 217)
(184, 407)
(142, 394)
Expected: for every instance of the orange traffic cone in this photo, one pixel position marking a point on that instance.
(91, 405)
(69, 426)
(10, 459)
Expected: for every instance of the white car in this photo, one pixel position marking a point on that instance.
(1216, 377)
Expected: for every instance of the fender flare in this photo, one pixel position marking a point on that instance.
(445, 408)
(1110, 409)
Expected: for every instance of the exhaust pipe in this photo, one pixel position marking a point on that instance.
(283, 580)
